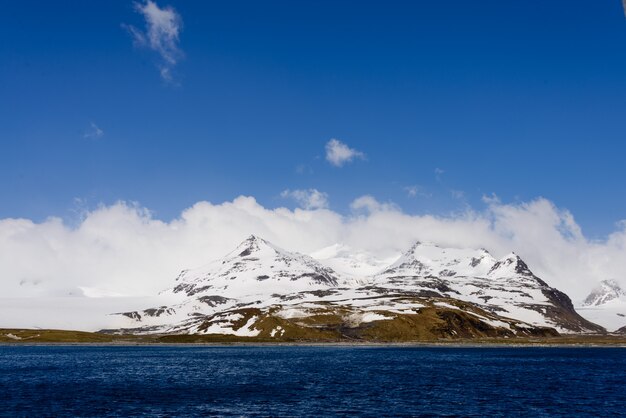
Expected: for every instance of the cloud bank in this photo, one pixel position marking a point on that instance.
(123, 249)
(161, 35)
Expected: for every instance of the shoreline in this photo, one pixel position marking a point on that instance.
(12, 337)
(322, 344)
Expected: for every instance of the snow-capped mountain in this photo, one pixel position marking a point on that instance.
(506, 286)
(605, 292)
(429, 292)
(257, 268)
(606, 305)
(428, 259)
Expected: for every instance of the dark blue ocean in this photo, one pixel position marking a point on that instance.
(311, 381)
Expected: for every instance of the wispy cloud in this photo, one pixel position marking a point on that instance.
(457, 194)
(338, 153)
(161, 35)
(309, 199)
(439, 173)
(304, 169)
(93, 132)
(416, 191)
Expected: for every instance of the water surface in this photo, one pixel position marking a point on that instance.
(311, 381)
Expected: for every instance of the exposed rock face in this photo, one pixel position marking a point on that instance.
(430, 292)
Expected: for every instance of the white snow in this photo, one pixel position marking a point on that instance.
(350, 262)
(446, 305)
(291, 313)
(75, 313)
(607, 291)
(373, 316)
(260, 275)
(226, 327)
(431, 259)
(356, 319)
(611, 315)
(605, 305)
(278, 331)
(527, 315)
(256, 268)
(493, 322)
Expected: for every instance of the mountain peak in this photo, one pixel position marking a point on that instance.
(256, 268)
(605, 292)
(512, 263)
(258, 280)
(251, 245)
(422, 244)
(428, 258)
(255, 239)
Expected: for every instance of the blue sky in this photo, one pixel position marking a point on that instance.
(459, 99)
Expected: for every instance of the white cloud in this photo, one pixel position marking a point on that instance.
(369, 204)
(124, 249)
(308, 199)
(93, 132)
(163, 27)
(416, 190)
(338, 153)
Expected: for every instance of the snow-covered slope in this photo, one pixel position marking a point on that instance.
(258, 288)
(428, 259)
(350, 262)
(605, 305)
(257, 268)
(605, 292)
(253, 273)
(506, 286)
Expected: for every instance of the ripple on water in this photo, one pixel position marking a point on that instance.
(344, 381)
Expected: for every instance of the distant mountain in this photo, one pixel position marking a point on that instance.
(607, 291)
(505, 287)
(606, 305)
(430, 292)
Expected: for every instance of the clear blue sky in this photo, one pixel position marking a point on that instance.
(522, 99)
